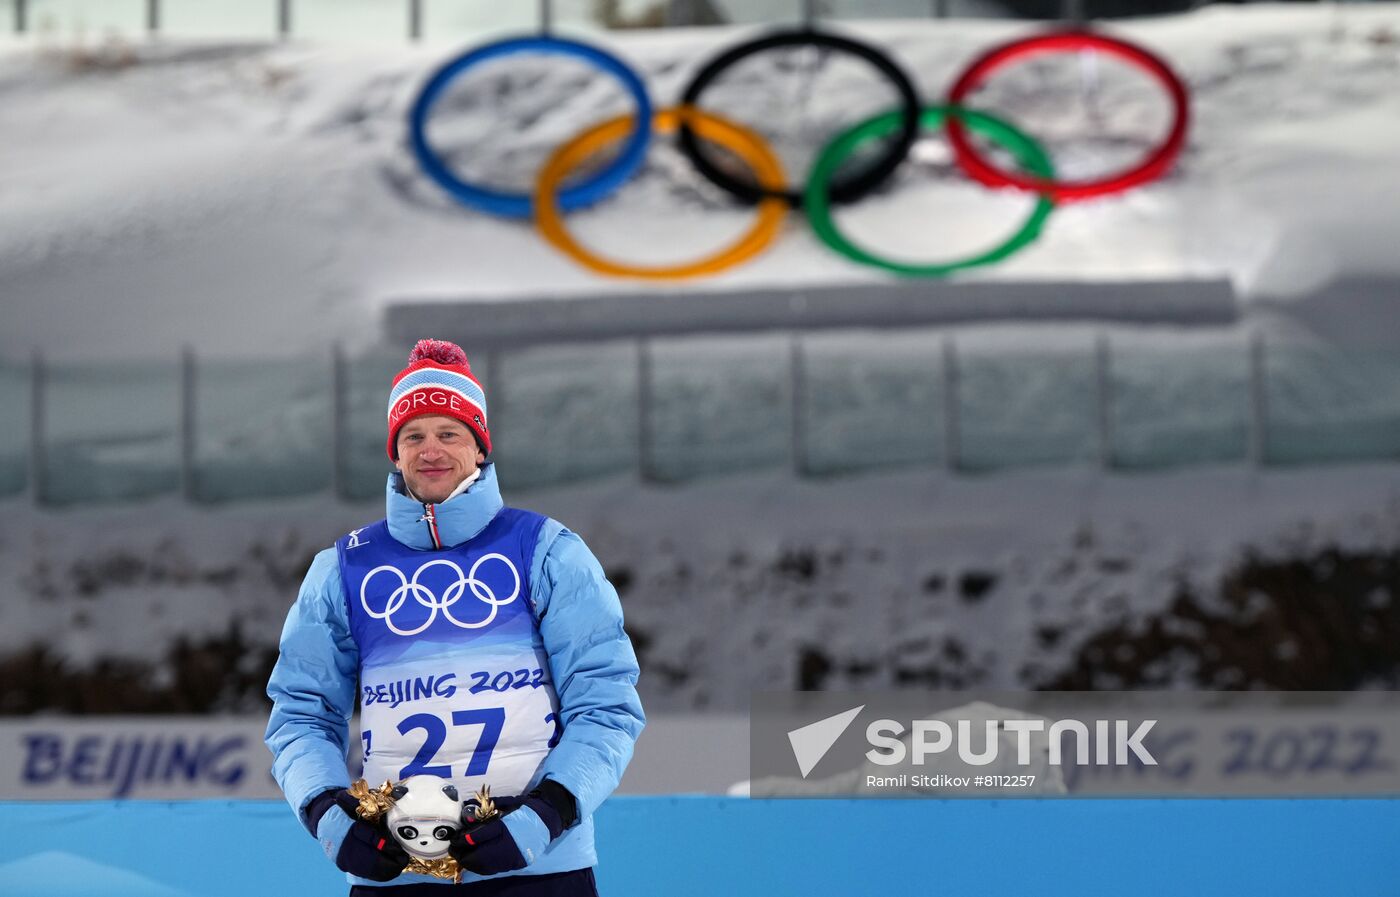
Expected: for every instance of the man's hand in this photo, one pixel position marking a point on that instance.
(355, 846)
(511, 841)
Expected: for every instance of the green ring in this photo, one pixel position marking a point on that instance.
(1027, 152)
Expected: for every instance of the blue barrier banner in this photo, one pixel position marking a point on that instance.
(982, 745)
(48, 758)
(67, 758)
(683, 846)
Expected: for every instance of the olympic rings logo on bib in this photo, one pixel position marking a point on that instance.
(816, 191)
(429, 599)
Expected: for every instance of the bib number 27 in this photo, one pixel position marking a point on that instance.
(491, 719)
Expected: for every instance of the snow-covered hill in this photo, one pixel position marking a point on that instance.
(254, 200)
(1215, 579)
(242, 197)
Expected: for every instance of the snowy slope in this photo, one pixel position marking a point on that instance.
(250, 200)
(1212, 578)
(241, 196)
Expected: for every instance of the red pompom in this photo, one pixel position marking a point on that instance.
(437, 350)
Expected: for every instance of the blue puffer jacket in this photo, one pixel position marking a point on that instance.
(594, 670)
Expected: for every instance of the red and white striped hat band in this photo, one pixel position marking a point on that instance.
(438, 380)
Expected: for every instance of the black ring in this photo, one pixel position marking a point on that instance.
(842, 189)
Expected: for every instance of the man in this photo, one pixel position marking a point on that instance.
(488, 649)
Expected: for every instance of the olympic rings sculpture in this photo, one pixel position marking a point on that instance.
(822, 187)
(517, 205)
(1156, 164)
(1025, 150)
(454, 593)
(841, 191)
(747, 145)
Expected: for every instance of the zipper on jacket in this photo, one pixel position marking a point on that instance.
(430, 518)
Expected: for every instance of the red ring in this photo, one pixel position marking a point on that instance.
(1152, 168)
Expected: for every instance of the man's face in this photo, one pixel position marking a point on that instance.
(435, 454)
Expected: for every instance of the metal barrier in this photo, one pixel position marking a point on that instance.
(454, 19)
(672, 409)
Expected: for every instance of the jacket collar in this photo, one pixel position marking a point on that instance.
(456, 520)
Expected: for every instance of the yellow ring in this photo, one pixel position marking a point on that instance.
(741, 141)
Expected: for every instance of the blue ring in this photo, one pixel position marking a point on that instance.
(520, 205)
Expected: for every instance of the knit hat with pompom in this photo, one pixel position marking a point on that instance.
(438, 380)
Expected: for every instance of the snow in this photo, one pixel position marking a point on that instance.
(727, 583)
(232, 196)
(257, 200)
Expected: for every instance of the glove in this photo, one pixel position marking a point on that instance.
(507, 842)
(355, 846)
